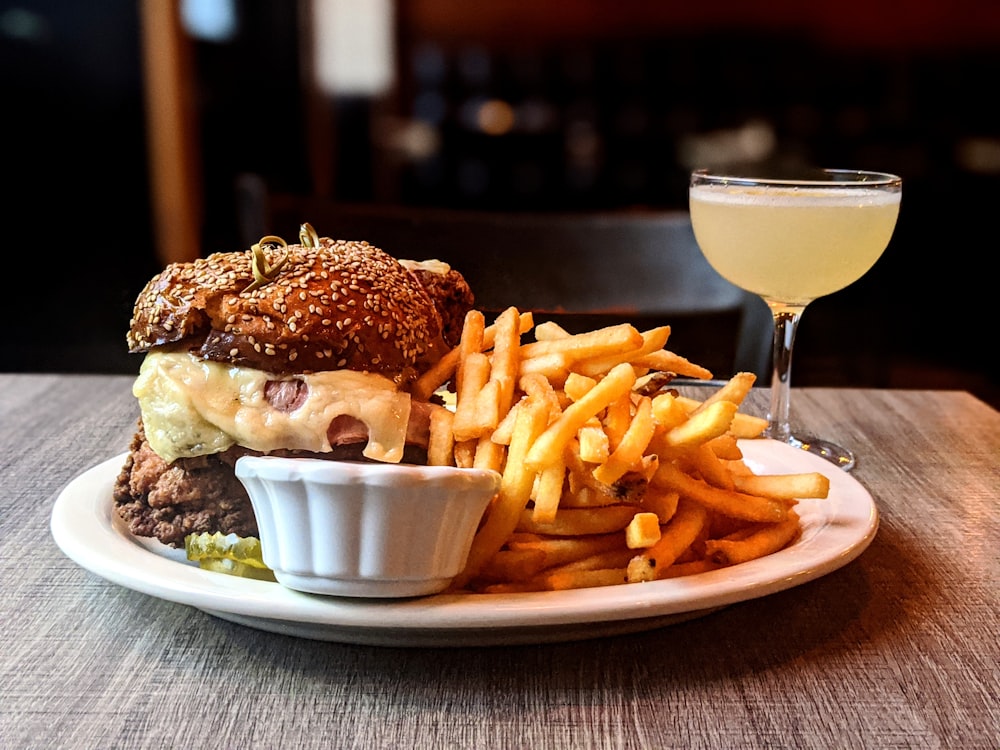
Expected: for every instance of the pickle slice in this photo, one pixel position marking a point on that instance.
(229, 554)
(235, 568)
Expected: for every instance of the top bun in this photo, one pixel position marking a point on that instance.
(330, 305)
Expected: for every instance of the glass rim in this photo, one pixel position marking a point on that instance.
(859, 178)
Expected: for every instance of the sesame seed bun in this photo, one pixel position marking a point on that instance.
(336, 305)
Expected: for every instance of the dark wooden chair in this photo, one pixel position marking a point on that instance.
(581, 270)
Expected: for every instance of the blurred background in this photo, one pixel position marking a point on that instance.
(136, 130)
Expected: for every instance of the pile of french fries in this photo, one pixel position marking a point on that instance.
(609, 476)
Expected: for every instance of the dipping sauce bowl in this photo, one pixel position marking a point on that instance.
(356, 529)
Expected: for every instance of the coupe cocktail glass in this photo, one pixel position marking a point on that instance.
(791, 241)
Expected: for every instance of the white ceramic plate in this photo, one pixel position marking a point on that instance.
(835, 531)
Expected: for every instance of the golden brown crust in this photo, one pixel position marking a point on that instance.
(451, 294)
(341, 305)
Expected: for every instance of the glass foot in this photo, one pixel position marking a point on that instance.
(835, 454)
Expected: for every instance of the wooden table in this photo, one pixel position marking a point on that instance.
(899, 648)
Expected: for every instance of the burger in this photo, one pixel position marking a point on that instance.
(295, 350)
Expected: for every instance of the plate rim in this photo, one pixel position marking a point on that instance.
(836, 530)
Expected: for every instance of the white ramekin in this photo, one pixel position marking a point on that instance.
(348, 528)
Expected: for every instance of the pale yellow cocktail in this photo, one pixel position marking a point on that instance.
(792, 244)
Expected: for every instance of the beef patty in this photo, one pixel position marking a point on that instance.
(200, 494)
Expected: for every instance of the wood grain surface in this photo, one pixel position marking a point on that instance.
(898, 649)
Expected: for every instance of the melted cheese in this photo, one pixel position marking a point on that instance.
(193, 407)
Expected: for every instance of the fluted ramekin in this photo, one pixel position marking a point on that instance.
(357, 529)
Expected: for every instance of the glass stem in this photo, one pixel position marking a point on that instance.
(786, 321)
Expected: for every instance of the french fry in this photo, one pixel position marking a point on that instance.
(702, 425)
(743, 426)
(617, 418)
(550, 330)
(661, 502)
(593, 442)
(585, 491)
(576, 385)
(526, 321)
(436, 376)
(554, 439)
(465, 453)
(554, 366)
(725, 446)
(610, 340)
(509, 587)
(763, 541)
(642, 531)
(580, 521)
(633, 443)
(490, 404)
(676, 537)
(652, 340)
(677, 570)
(711, 468)
(489, 455)
(727, 502)
(514, 565)
(612, 558)
(471, 343)
(506, 358)
(526, 538)
(784, 486)
(648, 466)
(502, 434)
(667, 361)
(538, 387)
(441, 440)
(669, 411)
(747, 426)
(562, 550)
(474, 416)
(548, 491)
(580, 579)
(738, 466)
(734, 391)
